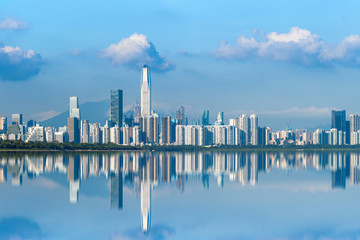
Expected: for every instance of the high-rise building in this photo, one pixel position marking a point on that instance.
(166, 130)
(205, 118)
(219, 118)
(180, 116)
(116, 107)
(74, 129)
(254, 138)
(244, 125)
(85, 133)
(74, 109)
(3, 124)
(31, 123)
(17, 119)
(145, 91)
(354, 123)
(338, 120)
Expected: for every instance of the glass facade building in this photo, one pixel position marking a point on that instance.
(116, 107)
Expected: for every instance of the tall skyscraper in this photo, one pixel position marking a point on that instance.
(74, 109)
(254, 138)
(17, 119)
(205, 118)
(338, 120)
(116, 107)
(166, 130)
(74, 130)
(145, 91)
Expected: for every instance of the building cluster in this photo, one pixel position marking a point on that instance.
(145, 127)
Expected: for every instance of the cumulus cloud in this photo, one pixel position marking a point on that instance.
(135, 51)
(298, 45)
(10, 23)
(17, 64)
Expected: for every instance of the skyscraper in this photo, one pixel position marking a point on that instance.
(17, 119)
(166, 130)
(145, 91)
(116, 107)
(3, 124)
(254, 138)
(219, 118)
(74, 130)
(180, 116)
(354, 123)
(338, 120)
(74, 109)
(205, 118)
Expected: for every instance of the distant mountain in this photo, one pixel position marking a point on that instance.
(91, 111)
(324, 127)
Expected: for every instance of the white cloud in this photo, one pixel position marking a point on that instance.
(10, 23)
(135, 51)
(18, 64)
(298, 45)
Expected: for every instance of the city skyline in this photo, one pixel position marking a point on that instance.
(233, 63)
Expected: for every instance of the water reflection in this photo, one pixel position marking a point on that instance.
(144, 171)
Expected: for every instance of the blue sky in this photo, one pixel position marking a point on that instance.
(288, 61)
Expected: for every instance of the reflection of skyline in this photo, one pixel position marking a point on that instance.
(144, 171)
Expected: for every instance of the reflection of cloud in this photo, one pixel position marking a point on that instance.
(46, 183)
(311, 187)
(159, 232)
(19, 228)
(10, 23)
(135, 51)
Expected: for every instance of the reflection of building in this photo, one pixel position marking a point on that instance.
(145, 198)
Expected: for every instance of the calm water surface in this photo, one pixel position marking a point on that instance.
(206, 195)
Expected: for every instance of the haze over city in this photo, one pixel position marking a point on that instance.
(288, 62)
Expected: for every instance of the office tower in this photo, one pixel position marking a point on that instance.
(17, 119)
(116, 190)
(244, 125)
(116, 107)
(205, 118)
(31, 123)
(180, 116)
(254, 140)
(338, 120)
(3, 124)
(145, 198)
(74, 129)
(74, 109)
(166, 130)
(85, 133)
(145, 91)
(219, 118)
